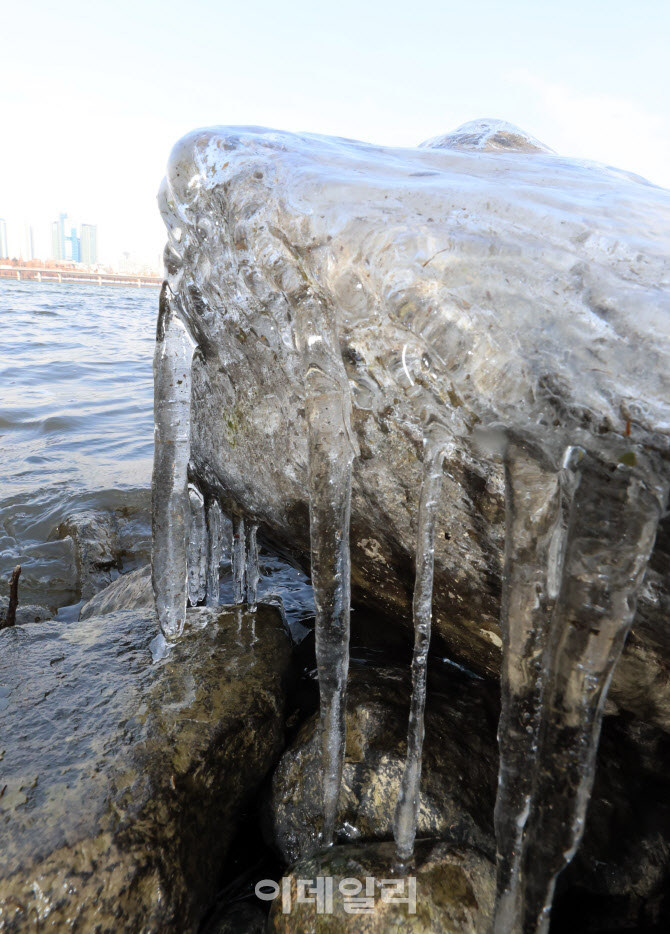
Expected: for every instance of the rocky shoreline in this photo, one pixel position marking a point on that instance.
(142, 796)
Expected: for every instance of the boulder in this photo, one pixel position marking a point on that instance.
(130, 591)
(620, 877)
(460, 764)
(96, 549)
(482, 280)
(122, 780)
(455, 889)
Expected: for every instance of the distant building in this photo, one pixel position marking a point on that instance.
(28, 245)
(89, 244)
(4, 249)
(64, 240)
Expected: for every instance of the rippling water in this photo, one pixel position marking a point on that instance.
(76, 432)
(76, 424)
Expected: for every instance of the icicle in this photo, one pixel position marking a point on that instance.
(196, 553)
(407, 810)
(331, 453)
(252, 565)
(239, 560)
(577, 548)
(170, 506)
(214, 550)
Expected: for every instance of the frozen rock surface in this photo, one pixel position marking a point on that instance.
(123, 781)
(335, 310)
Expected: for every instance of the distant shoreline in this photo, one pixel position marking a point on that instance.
(37, 274)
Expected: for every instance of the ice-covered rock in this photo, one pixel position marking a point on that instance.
(373, 345)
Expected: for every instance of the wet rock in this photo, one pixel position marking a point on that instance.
(458, 777)
(620, 877)
(455, 889)
(121, 780)
(240, 918)
(130, 591)
(96, 549)
(28, 613)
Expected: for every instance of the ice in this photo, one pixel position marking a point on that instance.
(196, 553)
(252, 575)
(331, 453)
(578, 540)
(239, 554)
(343, 297)
(214, 550)
(407, 809)
(170, 506)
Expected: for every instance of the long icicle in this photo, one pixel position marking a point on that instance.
(331, 452)
(538, 501)
(607, 543)
(252, 574)
(239, 560)
(170, 504)
(214, 550)
(196, 552)
(407, 809)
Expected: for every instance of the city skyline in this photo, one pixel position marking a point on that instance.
(66, 240)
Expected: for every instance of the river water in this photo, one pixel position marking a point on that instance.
(76, 432)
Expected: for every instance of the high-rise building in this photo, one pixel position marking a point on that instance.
(4, 249)
(64, 239)
(27, 250)
(89, 244)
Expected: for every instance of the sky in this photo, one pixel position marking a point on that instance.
(94, 94)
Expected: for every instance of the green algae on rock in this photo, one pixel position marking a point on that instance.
(124, 779)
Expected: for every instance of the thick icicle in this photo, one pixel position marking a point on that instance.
(331, 454)
(252, 573)
(170, 512)
(576, 556)
(407, 810)
(239, 560)
(196, 553)
(214, 550)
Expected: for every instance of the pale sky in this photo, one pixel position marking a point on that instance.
(94, 94)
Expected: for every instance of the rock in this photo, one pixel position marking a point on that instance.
(96, 549)
(455, 889)
(460, 764)
(482, 278)
(130, 591)
(122, 781)
(30, 613)
(621, 875)
(240, 918)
